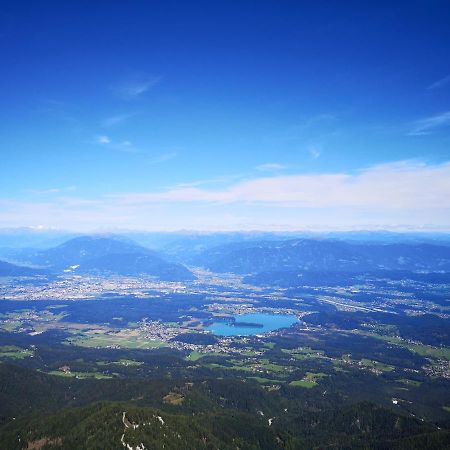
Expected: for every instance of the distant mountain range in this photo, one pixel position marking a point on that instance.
(185, 245)
(105, 255)
(13, 270)
(269, 259)
(80, 250)
(324, 255)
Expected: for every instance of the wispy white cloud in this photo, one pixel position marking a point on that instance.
(49, 191)
(439, 83)
(429, 125)
(123, 146)
(115, 120)
(103, 139)
(405, 194)
(406, 184)
(128, 147)
(318, 119)
(163, 157)
(52, 105)
(314, 151)
(135, 87)
(320, 125)
(223, 180)
(271, 167)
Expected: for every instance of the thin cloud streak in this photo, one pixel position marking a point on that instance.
(135, 87)
(51, 190)
(115, 120)
(271, 167)
(430, 124)
(440, 83)
(163, 158)
(122, 146)
(315, 152)
(224, 179)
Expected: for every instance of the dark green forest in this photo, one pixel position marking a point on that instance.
(54, 412)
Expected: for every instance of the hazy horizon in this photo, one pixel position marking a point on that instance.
(310, 230)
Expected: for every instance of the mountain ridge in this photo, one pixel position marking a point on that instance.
(312, 254)
(106, 255)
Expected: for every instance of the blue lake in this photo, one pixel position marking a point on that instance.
(243, 327)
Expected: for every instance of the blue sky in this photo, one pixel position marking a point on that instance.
(225, 115)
